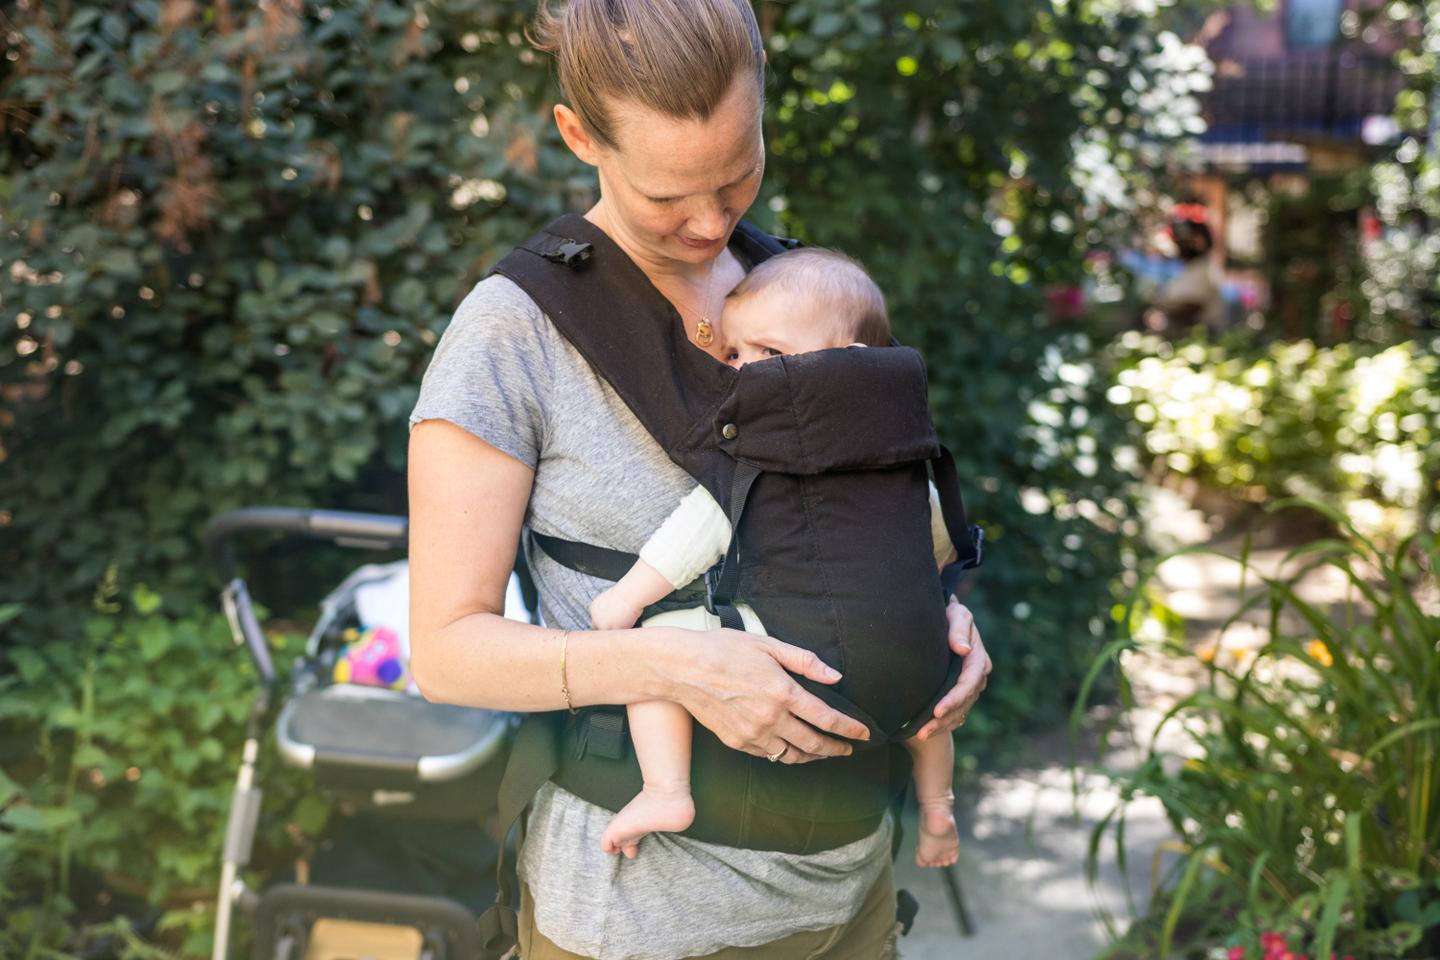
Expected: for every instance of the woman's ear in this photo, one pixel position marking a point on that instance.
(576, 137)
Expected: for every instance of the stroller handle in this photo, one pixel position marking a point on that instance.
(348, 529)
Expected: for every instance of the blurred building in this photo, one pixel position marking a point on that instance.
(1303, 95)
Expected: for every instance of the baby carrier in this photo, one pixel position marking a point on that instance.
(820, 461)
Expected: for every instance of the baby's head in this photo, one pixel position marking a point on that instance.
(802, 300)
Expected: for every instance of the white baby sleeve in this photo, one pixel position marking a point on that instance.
(938, 533)
(690, 541)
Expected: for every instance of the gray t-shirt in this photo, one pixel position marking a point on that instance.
(503, 372)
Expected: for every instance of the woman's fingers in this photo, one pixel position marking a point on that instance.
(802, 662)
(962, 625)
(952, 709)
(818, 714)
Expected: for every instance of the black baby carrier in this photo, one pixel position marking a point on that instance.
(821, 462)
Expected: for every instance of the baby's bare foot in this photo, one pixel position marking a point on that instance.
(939, 844)
(656, 808)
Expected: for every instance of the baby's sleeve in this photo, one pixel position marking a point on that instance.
(490, 373)
(938, 533)
(690, 541)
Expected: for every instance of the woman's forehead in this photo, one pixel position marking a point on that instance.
(666, 156)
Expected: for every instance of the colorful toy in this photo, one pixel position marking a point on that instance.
(372, 658)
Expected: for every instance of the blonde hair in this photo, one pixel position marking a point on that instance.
(833, 284)
(676, 57)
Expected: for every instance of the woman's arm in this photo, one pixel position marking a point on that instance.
(467, 503)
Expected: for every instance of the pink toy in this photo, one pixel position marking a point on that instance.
(372, 658)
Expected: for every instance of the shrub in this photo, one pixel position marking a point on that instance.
(232, 234)
(1305, 786)
(1355, 425)
(119, 746)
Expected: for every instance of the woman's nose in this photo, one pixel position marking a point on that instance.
(709, 221)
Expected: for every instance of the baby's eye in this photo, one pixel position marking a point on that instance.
(772, 352)
(731, 355)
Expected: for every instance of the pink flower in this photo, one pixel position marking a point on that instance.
(1235, 953)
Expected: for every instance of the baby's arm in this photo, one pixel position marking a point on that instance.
(944, 549)
(689, 542)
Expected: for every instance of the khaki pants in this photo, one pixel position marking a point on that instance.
(870, 935)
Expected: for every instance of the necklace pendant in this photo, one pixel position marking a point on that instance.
(704, 333)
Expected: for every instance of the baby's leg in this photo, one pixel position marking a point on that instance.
(934, 774)
(661, 732)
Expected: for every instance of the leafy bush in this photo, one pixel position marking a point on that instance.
(1352, 424)
(1403, 285)
(232, 234)
(119, 746)
(1305, 789)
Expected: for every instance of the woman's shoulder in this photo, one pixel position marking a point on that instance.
(498, 319)
(498, 302)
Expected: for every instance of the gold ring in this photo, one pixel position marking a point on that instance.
(772, 757)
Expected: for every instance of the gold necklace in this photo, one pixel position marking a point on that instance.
(704, 332)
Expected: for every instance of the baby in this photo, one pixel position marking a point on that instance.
(803, 300)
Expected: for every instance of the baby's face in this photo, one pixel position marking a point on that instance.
(771, 323)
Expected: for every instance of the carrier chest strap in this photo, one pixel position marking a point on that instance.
(721, 584)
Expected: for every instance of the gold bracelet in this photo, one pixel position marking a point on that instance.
(564, 684)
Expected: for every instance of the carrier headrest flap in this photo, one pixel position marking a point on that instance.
(841, 409)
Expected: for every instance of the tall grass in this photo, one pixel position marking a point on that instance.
(1304, 786)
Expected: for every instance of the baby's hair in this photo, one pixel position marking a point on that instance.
(836, 285)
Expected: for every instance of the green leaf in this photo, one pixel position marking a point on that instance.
(30, 819)
(154, 639)
(145, 600)
(9, 789)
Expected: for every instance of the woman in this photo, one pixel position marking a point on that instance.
(512, 427)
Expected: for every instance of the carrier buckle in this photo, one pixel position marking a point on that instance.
(572, 253)
(712, 598)
(977, 540)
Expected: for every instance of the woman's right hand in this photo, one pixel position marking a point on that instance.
(736, 685)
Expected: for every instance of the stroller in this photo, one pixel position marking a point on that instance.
(407, 864)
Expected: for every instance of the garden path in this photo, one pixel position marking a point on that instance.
(1026, 829)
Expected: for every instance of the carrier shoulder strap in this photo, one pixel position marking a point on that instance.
(607, 308)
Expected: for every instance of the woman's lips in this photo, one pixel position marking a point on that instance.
(699, 244)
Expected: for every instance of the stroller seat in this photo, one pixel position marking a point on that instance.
(393, 739)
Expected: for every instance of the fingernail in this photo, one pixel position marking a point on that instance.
(832, 673)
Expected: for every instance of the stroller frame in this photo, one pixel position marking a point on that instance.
(287, 918)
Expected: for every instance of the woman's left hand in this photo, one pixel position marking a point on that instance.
(951, 711)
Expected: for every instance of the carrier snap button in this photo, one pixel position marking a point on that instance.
(729, 431)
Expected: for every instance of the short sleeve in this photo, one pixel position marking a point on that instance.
(490, 373)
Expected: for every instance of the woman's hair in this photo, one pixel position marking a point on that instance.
(835, 285)
(676, 57)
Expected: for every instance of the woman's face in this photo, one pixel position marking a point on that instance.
(672, 190)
